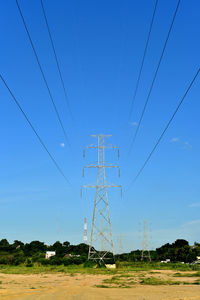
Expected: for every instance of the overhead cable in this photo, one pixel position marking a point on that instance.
(34, 130)
(56, 58)
(42, 72)
(143, 58)
(165, 129)
(154, 77)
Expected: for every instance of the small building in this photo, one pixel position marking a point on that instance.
(50, 254)
(165, 261)
(197, 261)
(110, 266)
(69, 255)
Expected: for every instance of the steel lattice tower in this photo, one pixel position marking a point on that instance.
(145, 251)
(85, 232)
(101, 241)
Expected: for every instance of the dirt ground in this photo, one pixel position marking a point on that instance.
(85, 287)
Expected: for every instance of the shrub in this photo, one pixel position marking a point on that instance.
(90, 264)
(44, 261)
(67, 261)
(4, 260)
(29, 263)
(54, 260)
(18, 260)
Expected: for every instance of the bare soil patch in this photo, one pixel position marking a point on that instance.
(123, 285)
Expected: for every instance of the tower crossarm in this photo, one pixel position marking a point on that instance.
(95, 166)
(101, 186)
(108, 146)
(101, 146)
(101, 166)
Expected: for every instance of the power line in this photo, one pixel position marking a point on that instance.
(34, 130)
(42, 72)
(165, 129)
(56, 58)
(143, 58)
(154, 78)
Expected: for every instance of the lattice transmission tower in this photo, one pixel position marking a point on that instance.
(85, 241)
(145, 250)
(101, 242)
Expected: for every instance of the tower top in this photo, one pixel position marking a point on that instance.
(101, 134)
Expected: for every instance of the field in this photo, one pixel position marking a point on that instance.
(128, 281)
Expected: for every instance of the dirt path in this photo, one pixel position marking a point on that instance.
(82, 287)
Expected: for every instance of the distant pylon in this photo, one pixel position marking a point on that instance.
(101, 242)
(85, 232)
(145, 250)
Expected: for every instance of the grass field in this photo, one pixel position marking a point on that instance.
(146, 281)
(121, 267)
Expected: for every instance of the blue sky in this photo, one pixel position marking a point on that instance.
(99, 46)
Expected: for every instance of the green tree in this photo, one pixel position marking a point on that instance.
(4, 245)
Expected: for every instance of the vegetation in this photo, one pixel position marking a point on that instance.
(157, 281)
(197, 274)
(32, 255)
(179, 251)
(29, 258)
(148, 266)
(143, 279)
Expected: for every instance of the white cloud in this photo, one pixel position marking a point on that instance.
(196, 204)
(62, 145)
(133, 123)
(175, 140)
(194, 222)
(184, 145)
(187, 145)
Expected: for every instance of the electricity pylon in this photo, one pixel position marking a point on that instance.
(101, 241)
(85, 232)
(145, 250)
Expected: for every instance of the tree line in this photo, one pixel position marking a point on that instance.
(179, 251)
(18, 253)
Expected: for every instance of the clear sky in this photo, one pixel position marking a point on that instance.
(99, 45)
